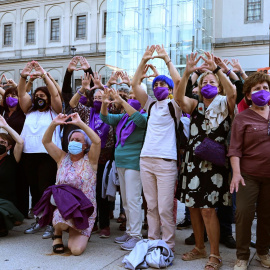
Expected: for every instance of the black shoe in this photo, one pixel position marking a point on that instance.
(185, 223)
(253, 244)
(191, 240)
(228, 241)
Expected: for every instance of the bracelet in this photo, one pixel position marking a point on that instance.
(25, 77)
(168, 62)
(198, 73)
(228, 72)
(43, 75)
(216, 70)
(241, 73)
(80, 93)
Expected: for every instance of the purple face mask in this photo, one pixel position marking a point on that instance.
(260, 98)
(209, 91)
(83, 100)
(11, 102)
(97, 105)
(134, 104)
(161, 93)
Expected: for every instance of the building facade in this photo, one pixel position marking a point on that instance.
(45, 31)
(241, 30)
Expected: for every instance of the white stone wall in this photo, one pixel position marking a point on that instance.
(54, 56)
(235, 38)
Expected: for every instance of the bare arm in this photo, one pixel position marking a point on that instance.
(95, 147)
(187, 104)
(56, 153)
(136, 81)
(105, 102)
(55, 97)
(237, 177)
(24, 98)
(16, 137)
(85, 86)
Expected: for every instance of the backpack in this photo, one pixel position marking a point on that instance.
(181, 139)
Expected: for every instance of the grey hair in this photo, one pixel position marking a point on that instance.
(124, 89)
(86, 138)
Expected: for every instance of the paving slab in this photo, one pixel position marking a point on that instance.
(19, 251)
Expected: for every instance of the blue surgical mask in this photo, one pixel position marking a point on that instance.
(75, 148)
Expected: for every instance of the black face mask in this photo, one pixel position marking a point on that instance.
(39, 103)
(3, 149)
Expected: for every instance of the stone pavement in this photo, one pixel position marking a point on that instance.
(19, 251)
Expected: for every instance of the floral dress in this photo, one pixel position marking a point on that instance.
(204, 184)
(81, 175)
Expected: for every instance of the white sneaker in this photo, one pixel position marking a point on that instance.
(264, 259)
(241, 265)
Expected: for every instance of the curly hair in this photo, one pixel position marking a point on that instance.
(251, 81)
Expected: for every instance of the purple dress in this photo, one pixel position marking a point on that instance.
(81, 175)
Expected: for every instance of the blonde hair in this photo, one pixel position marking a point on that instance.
(221, 89)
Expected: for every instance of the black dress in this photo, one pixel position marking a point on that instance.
(204, 184)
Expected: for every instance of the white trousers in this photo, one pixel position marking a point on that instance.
(131, 190)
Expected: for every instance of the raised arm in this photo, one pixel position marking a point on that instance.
(136, 81)
(95, 147)
(105, 101)
(173, 71)
(24, 98)
(16, 137)
(187, 104)
(224, 68)
(85, 86)
(55, 152)
(237, 68)
(55, 96)
(229, 88)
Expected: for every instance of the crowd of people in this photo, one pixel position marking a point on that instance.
(200, 138)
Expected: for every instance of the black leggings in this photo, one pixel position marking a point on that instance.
(40, 172)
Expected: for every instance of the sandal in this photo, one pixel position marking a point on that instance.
(191, 255)
(57, 246)
(121, 218)
(213, 265)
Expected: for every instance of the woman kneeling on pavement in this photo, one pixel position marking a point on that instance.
(250, 142)
(77, 169)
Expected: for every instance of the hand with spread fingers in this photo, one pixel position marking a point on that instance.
(209, 61)
(39, 71)
(144, 75)
(27, 70)
(60, 119)
(73, 64)
(191, 63)
(236, 65)
(86, 79)
(84, 64)
(97, 81)
(124, 77)
(113, 79)
(75, 119)
(155, 72)
(222, 64)
(10, 82)
(115, 95)
(149, 53)
(106, 96)
(236, 180)
(161, 53)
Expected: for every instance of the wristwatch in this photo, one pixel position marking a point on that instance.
(217, 69)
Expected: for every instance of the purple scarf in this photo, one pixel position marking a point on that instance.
(98, 126)
(123, 132)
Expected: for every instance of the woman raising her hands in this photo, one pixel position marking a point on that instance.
(205, 184)
(78, 169)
